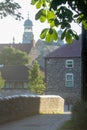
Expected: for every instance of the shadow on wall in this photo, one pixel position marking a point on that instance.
(18, 107)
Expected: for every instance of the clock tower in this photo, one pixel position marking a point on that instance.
(28, 36)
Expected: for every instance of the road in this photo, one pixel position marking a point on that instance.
(38, 122)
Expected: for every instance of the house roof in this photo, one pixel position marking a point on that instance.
(67, 50)
(15, 72)
(23, 47)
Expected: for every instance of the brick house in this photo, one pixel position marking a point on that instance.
(63, 72)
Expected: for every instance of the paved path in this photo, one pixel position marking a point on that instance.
(38, 122)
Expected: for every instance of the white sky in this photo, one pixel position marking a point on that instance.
(9, 27)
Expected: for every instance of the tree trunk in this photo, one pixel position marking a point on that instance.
(84, 64)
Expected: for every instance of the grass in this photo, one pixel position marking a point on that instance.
(68, 125)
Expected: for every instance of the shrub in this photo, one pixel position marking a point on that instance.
(79, 116)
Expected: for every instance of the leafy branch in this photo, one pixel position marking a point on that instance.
(61, 14)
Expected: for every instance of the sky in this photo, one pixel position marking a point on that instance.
(9, 27)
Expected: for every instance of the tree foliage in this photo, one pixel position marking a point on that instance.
(61, 13)
(9, 7)
(11, 56)
(36, 82)
(79, 115)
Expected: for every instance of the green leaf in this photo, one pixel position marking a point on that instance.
(76, 15)
(38, 5)
(49, 38)
(63, 34)
(50, 31)
(42, 19)
(38, 15)
(43, 33)
(52, 24)
(69, 37)
(44, 3)
(70, 31)
(56, 22)
(84, 24)
(33, 2)
(51, 35)
(41, 15)
(65, 24)
(80, 18)
(76, 36)
(55, 35)
(50, 15)
(73, 34)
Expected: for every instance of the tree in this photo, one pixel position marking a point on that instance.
(2, 81)
(61, 13)
(11, 56)
(9, 7)
(36, 82)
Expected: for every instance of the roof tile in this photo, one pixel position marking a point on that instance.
(67, 50)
